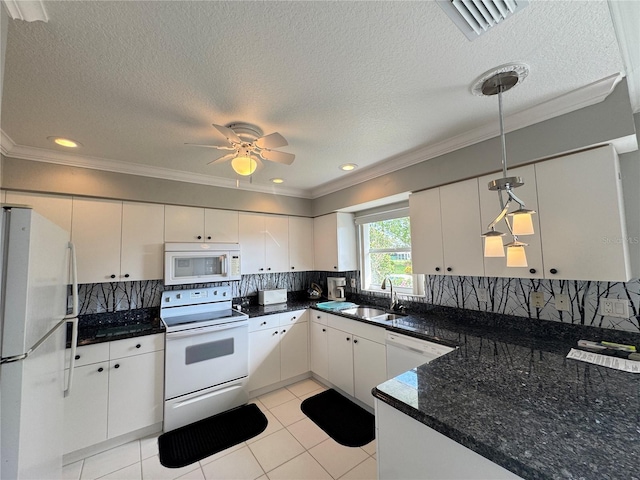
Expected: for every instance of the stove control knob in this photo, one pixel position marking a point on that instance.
(178, 296)
(224, 294)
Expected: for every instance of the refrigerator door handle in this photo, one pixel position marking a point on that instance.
(72, 359)
(22, 356)
(74, 283)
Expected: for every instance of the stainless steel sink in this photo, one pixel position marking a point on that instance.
(364, 312)
(387, 317)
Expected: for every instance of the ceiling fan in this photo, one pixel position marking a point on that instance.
(248, 147)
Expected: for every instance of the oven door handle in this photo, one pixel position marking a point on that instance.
(210, 329)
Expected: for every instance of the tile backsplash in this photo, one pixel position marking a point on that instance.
(511, 296)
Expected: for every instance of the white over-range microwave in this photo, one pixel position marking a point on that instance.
(186, 263)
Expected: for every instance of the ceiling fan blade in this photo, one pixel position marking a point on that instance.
(228, 133)
(217, 147)
(273, 140)
(224, 158)
(278, 157)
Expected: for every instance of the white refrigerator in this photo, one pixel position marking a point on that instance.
(35, 260)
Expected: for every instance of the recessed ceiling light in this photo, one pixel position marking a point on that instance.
(65, 142)
(347, 167)
(277, 180)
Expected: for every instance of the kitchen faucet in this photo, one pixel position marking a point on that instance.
(393, 302)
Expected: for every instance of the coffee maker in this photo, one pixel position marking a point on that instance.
(335, 287)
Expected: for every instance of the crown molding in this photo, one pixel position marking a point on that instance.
(10, 149)
(626, 18)
(27, 10)
(582, 97)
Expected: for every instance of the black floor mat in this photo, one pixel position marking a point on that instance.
(344, 421)
(188, 444)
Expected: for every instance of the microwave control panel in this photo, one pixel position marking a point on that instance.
(235, 265)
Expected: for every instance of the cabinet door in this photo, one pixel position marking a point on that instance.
(264, 358)
(341, 360)
(183, 224)
(460, 213)
(276, 243)
(369, 368)
(136, 387)
(294, 350)
(582, 220)
(426, 232)
(325, 243)
(251, 233)
(221, 226)
(319, 349)
(53, 207)
(300, 244)
(85, 409)
(142, 241)
(96, 233)
(489, 210)
(346, 238)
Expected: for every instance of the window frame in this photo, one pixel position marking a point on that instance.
(362, 223)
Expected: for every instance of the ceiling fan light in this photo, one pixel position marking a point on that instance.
(522, 222)
(244, 166)
(516, 256)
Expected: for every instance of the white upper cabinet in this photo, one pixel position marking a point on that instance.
(53, 207)
(300, 244)
(117, 242)
(96, 232)
(444, 230)
(264, 243)
(426, 232)
(194, 224)
(489, 210)
(334, 242)
(142, 241)
(183, 224)
(220, 226)
(582, 220)
(460, 209)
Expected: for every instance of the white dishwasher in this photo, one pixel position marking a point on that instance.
(405, 353)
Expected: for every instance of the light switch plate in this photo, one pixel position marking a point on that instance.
(562, 301)
(482, 294)
(537, 299)
(353, 283)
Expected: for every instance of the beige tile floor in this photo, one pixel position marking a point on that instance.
(291, 448)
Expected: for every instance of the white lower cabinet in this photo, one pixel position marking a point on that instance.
(278, 348)
(356, 357)
(319, 346)
(407, 448)
(117, 388)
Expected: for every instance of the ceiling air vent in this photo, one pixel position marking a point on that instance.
(475, 17)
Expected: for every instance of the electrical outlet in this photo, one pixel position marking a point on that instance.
(614, 307)
(482, 294)
(537, 299)
(353, 283)
(562, 302)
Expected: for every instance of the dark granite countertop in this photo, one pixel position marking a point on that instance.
(291, 306)
(108, 327)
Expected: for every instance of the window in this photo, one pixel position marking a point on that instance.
(385, 250)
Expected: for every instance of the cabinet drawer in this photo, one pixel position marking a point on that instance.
(318, 317)
(136, 346)
(88, 354)
(263, 322)
(289, 318)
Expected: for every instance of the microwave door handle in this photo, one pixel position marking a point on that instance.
(225, 264)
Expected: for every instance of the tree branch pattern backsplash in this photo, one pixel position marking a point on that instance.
(511, 296)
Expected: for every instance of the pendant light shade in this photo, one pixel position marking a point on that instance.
(493, 246)
(244, 166)
(522, 222)
(516, 256)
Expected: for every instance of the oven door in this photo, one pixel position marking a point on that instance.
(199, 358)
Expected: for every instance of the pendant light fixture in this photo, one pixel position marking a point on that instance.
(518, 222)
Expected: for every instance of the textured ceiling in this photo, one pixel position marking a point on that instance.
(342, 81)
